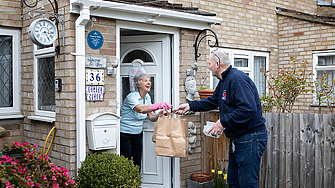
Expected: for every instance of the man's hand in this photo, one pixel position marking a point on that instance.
(216, 129)
(182, 109)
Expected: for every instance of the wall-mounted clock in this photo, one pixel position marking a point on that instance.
(43, 32)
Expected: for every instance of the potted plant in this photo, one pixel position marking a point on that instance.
(203, 91)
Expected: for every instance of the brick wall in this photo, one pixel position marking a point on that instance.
(63, 147)
(107, 27)
(192, 163)
(300, 38)
(255, 25)
(10, 13)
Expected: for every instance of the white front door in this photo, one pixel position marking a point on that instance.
(153, 53)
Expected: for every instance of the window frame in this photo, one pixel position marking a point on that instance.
(39, 54)
(250, 54)
(316, 55)
(15, 111)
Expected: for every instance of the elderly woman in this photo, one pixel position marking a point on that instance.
(136, 107)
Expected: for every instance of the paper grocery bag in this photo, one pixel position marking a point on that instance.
(171, 137)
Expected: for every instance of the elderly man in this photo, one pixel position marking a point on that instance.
(241, 119)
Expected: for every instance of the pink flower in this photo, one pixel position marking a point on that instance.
(55, 185)
(38, 185)
(35, 145)
(28, 178)
(66, 183)
(7, 183)
(54, 178)
(31, 184)
(9, 187)
(44, 177)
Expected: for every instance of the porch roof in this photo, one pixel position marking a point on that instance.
(305, 16)
(166, 5)
(150, 12)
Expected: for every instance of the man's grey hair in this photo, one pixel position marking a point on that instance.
(224, 58)
(138, 77)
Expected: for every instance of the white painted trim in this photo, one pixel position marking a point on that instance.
(39, 54)
(81, 21)
(174, 32)
(175, 100)
(6, 112)
(41, 118)
(142, 14)
(11, 117)
(316, 55)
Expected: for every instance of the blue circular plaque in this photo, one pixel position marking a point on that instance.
(95, 39)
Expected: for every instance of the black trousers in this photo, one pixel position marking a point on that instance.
(132, 147)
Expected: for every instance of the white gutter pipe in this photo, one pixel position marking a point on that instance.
(143, 14)
(82, 20)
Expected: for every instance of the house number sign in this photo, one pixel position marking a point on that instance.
(95, 77)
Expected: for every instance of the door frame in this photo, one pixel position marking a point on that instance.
(174, 32)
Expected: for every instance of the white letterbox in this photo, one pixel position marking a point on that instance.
(102, 130)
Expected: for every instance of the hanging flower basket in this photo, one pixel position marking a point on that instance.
(204, 93)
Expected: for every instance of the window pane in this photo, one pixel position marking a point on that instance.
(326, 60)
(259, 78)
(330, 75)
(6, 74)
(241, 61)
(138, 54)
(46, 84)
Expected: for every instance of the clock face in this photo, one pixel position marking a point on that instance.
(43, 32)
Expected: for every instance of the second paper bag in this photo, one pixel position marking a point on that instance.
(171, 137)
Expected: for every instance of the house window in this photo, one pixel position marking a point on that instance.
(44, 73)
(249, 62)
(9, 73)
(324, 63)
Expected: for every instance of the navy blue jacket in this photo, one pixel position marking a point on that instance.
(237, 97)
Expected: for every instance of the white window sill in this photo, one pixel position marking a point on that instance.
(42, 118)
(11, 116)
(317, 105)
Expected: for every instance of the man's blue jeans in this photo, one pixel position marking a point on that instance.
(245, 158)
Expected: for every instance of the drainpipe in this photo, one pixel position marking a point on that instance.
(82, 20)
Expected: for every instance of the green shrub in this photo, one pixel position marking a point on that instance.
(108, 170)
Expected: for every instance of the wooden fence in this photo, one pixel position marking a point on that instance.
(300, 151)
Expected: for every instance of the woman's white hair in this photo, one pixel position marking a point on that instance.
(138, 77)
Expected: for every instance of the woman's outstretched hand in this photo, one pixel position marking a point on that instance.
(163, 105)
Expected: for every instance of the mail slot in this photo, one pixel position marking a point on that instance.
(102, 131)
